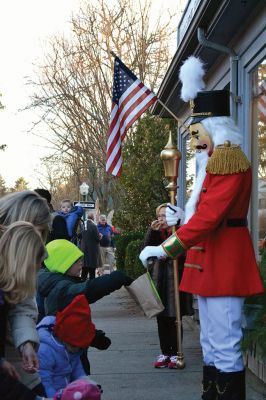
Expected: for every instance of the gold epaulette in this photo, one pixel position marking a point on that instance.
(226, 159)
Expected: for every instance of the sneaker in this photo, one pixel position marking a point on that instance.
(162, 361)
(172, 362)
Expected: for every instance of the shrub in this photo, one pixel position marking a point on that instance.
(257, 336)
(133, 265)
(122, 242)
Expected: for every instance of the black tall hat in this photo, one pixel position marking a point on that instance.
(215, 103)
(203, 104)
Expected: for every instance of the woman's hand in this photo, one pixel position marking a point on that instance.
(30, 362)
(155, 225)
(9, 369)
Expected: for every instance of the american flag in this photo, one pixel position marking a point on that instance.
(130, 99)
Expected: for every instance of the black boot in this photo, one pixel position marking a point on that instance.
(231, 385)
(209, 383)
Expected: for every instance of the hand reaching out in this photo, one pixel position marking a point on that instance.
(151, 251)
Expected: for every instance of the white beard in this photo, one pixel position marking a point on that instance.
(201, 163)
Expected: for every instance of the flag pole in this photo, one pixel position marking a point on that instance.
(168, 109)
(113, 54)
(159, 101)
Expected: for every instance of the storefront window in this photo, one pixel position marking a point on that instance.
(259, 126)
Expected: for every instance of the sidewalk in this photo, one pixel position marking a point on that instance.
(125, 370)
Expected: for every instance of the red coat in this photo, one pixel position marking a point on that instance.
(222, 263)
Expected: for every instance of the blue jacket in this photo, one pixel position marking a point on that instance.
(106, 231)
(71, 218)
(58, 367)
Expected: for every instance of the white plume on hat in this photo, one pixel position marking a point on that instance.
(191, 74)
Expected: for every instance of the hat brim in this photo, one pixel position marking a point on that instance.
(197, 119)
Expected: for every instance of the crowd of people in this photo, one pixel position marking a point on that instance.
(37, 244)
(48, 247)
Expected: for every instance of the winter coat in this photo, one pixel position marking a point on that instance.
(58, 228)
(60, 289)
(10, 388)
(90, 245)
(58, 367)
(107, 232)
(72, 218)
(220, 260)
(22, 318)
(162, 274)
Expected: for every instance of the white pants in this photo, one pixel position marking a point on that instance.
(108, 258)
(221, 332)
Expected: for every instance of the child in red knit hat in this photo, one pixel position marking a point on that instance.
(63, 338)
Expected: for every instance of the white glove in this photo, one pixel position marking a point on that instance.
(174, 215)
(151, 251)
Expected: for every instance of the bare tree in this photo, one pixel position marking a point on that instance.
(73, 88)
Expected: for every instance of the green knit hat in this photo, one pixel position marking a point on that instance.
(62, 254)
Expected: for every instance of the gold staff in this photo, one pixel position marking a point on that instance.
(171, 158)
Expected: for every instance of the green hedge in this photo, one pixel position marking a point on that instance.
(133, 265)
(257, 335)
(122, 242)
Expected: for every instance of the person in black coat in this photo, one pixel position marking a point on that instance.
(162, 273)
(90, 245)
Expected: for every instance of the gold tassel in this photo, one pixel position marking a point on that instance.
(227, 159)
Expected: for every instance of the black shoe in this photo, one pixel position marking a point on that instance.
(209, 383)
(231, 385)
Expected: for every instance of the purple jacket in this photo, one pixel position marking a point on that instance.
(58, 367)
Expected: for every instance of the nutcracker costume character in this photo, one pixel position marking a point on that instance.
(220, 265)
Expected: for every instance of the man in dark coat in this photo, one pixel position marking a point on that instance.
(90, 245)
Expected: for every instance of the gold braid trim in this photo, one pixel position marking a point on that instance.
(227, 159)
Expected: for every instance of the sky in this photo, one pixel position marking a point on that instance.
(25, 26)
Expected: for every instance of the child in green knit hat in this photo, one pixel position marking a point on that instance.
(60, 281)
(64, 257)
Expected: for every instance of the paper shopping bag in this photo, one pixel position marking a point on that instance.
(146, 296)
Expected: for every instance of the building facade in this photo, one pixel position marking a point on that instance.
(230, 37)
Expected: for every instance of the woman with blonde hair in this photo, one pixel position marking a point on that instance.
(22, 317)
(22, 251)
(26, 206)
